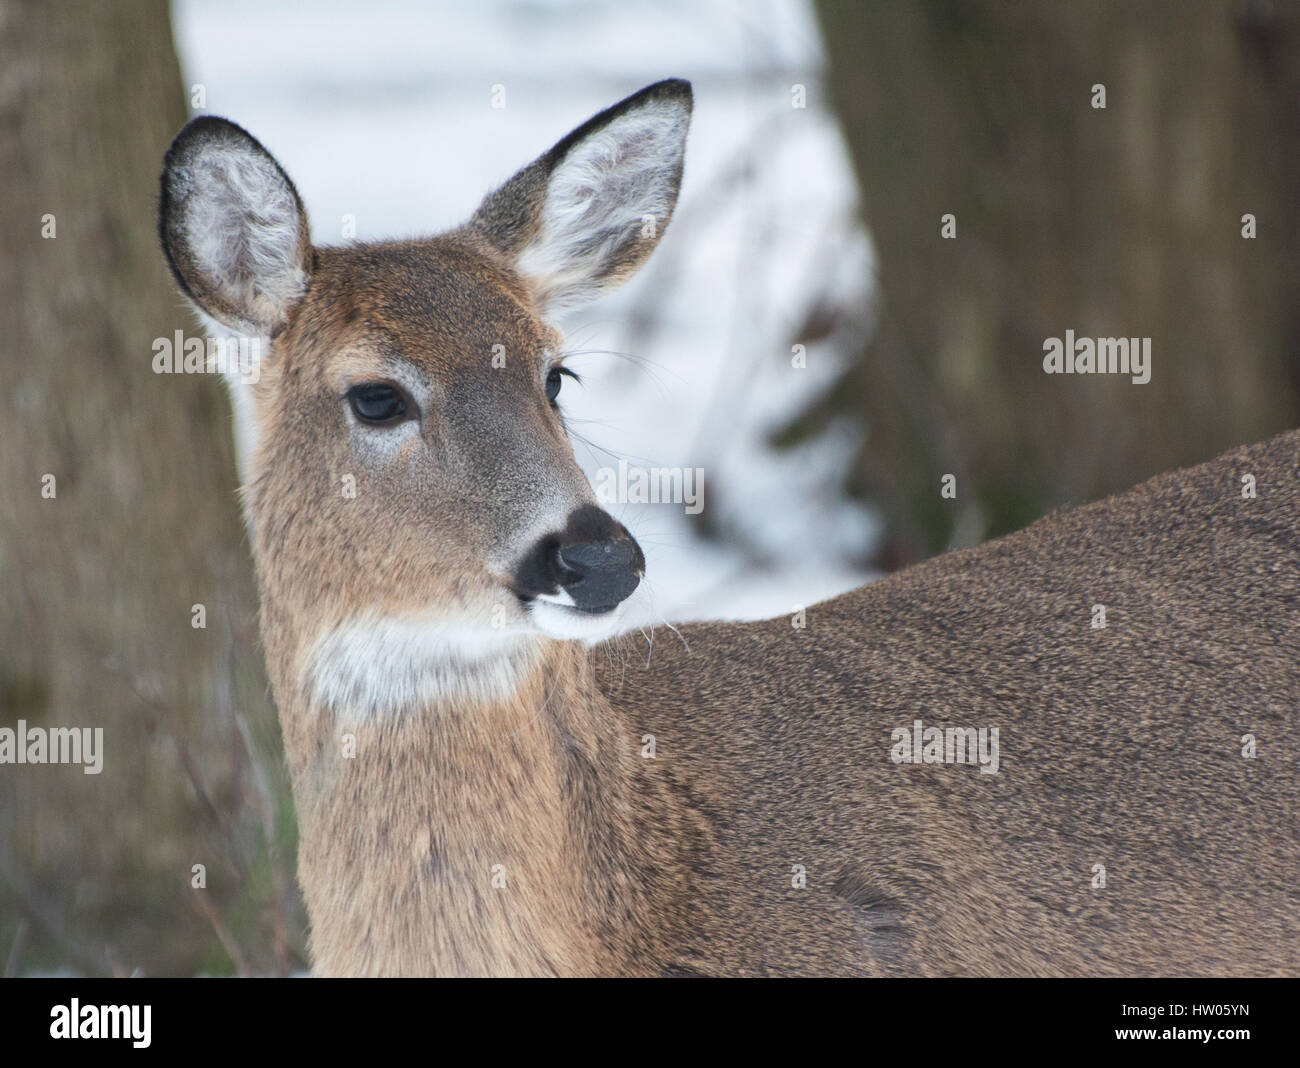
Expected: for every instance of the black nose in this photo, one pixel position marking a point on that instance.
(599, 574)
(594, 560)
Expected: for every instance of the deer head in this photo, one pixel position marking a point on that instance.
(418, 517)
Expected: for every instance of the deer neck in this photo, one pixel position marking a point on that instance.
(473, 834)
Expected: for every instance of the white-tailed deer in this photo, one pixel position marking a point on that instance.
(1070, 751)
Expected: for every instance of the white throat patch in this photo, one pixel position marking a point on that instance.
(368, 667)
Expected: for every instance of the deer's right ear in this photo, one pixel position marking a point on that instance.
(233, 227)
(584, 216)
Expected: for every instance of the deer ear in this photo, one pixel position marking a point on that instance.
(582, 218)
(233, 227)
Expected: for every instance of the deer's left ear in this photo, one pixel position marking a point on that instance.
(584, 216)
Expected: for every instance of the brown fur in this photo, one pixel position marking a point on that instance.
(1119, 746)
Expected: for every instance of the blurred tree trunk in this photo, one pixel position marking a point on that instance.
(1122, 222)
(97, 583)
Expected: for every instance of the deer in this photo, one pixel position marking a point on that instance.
(495, 777)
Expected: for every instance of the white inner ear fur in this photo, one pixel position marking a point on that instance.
(597, 200)
(244, 227)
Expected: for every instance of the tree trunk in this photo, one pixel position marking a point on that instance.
(98, 578)
(1117, 222)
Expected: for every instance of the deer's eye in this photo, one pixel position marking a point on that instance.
(377, 403)
(554, 379)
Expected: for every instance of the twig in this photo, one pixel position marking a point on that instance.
(227, 940)
(50, 923)
(16, 950)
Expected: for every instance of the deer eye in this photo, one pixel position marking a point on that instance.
(377, 403)
(554, 379)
